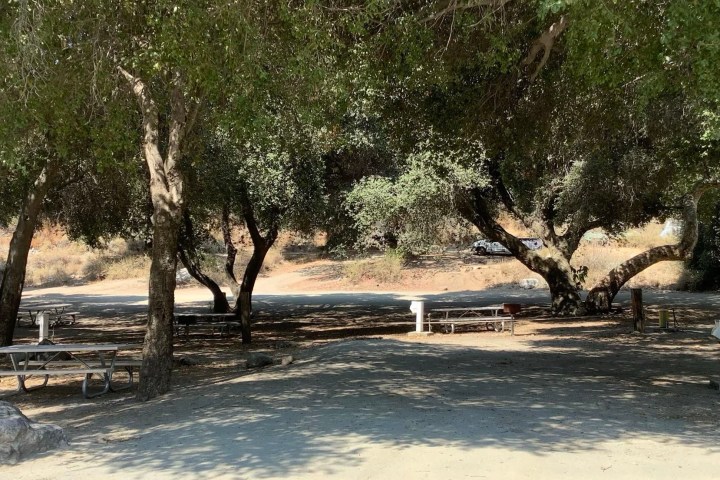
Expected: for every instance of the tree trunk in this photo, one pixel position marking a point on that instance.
(158, 348)
(600, 297)
(13, 279)
(243, 302)
(230, 249)
(166, 192)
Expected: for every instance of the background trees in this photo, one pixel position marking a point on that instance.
(584, 116)
(567, 116)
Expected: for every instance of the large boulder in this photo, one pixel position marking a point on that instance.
(20, 436)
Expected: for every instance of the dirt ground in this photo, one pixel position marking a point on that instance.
(363, 399)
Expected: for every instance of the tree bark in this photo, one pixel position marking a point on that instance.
(600, 297)
(156, 368)
(13, 279)
(166, 192)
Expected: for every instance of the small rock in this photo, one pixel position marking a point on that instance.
(188, 361)
(715, 384)
(257, 360)
(284, 360)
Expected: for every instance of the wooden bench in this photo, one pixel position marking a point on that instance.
(23, 375)
(128, 365)
(497, 323)
(221, 321)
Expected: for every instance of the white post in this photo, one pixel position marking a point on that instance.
(43, 325)
(418, 308)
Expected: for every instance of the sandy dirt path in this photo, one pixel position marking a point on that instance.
(527, 407)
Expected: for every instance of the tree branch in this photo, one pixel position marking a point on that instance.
(454, 6)
(544, 43)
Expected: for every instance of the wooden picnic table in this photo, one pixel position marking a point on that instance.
(34, 309)
(102, 360)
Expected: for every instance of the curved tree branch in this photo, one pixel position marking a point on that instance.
(601, 295)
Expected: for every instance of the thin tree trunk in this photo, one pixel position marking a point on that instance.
(220, 303)
(230, 249)
(187, 252)
(600, 297)
(13, 279)
(261, 245)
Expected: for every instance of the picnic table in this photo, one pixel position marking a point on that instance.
(100, 360)
(221, 321)
(488, 314)
(54, 309)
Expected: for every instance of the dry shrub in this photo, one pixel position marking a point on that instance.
(646, 237)
(504, 271)
(117, 247)
(49, 236)
(273, 260)
(665, 275)
(93, 267)
(385, 269)
(49, 275)
(128, 267)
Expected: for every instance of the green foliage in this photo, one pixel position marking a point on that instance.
(413, 206)
(705, 262)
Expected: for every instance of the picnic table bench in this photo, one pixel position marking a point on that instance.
(488, 315)
(99, 360)
(222, 321)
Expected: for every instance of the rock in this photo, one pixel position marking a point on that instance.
(257, 360)
(714, 384)
(188, 361)
(715, 332)
(529, 283)
(20, 436)
(284, 360)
